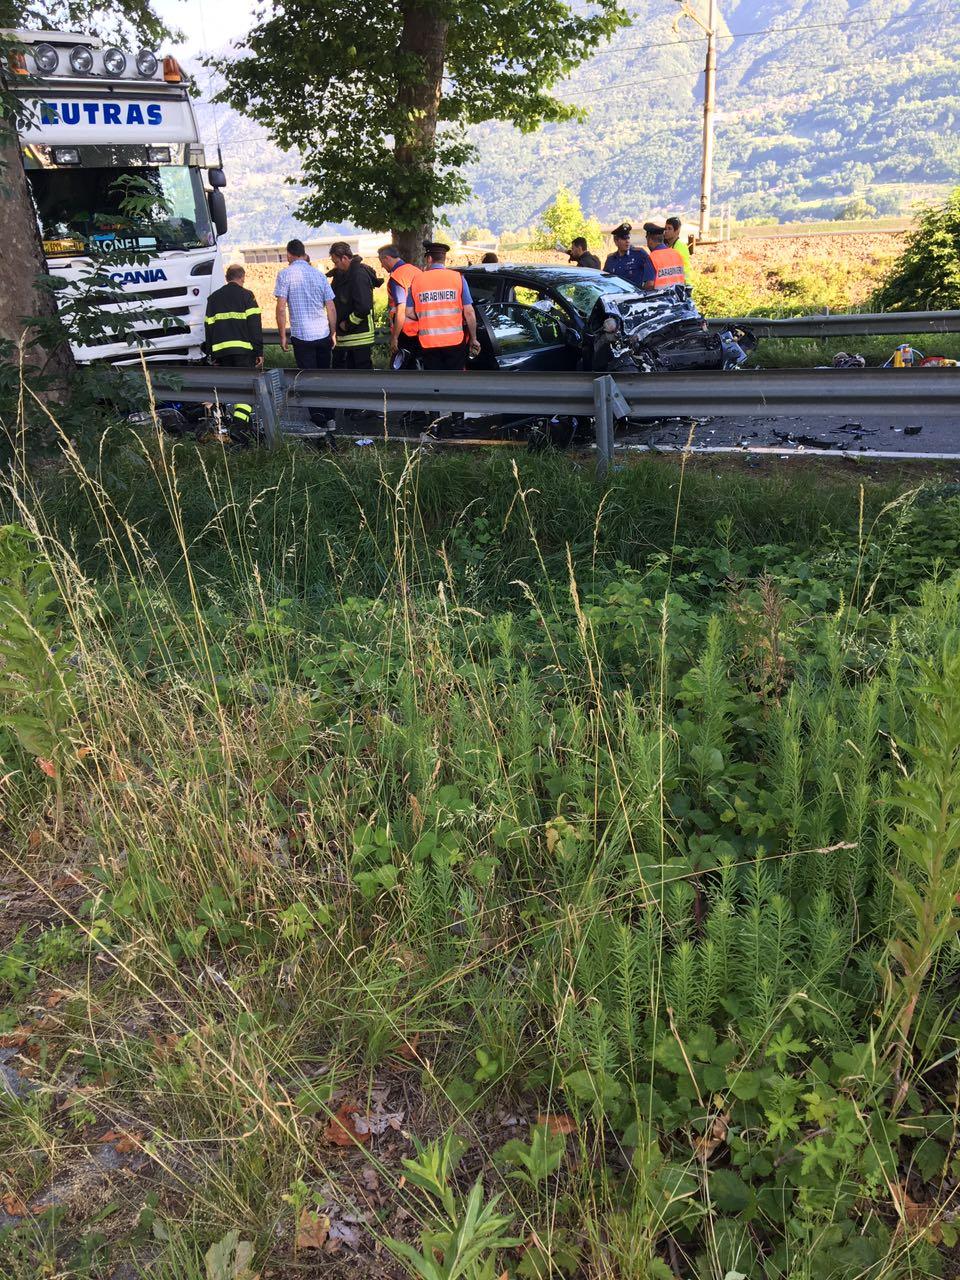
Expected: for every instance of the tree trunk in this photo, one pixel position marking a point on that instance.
(410, 242)
(424, 35)
(21, 261)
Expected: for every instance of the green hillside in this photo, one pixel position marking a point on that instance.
(819, 101)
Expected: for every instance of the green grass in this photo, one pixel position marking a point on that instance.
(439, 795)
(807, 353)
(835, 226)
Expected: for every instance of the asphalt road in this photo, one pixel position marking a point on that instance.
(916, 435)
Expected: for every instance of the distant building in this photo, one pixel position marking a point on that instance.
(366, 243)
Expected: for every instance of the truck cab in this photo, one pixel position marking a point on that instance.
(115, 166)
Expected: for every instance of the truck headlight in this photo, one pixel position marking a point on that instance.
(46, 58)
(81, 59)
(114, 62)
(147, 63)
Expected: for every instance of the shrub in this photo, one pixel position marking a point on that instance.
(926, 276)
(563, 220)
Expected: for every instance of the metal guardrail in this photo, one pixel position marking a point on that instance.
(838, 326)
(828, 325)
(885, 393)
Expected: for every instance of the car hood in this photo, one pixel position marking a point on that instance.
(642, 316)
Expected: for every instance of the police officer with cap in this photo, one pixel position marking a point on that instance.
(629, 263)
(667, 262)
(439, 298)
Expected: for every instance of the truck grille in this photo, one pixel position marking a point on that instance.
(158, 331)
(131, 356)
(174, 291)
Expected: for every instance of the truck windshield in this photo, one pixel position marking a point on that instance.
(138, 208)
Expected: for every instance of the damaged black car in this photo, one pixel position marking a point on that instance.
(539, 318)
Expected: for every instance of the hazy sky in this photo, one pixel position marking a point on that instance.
(207, 24)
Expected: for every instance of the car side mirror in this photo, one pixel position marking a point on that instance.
(217, 178)
(218, 211)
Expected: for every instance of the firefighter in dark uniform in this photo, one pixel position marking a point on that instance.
(353, 283)
(233, 337)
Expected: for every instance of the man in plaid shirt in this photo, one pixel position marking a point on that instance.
(313, 318)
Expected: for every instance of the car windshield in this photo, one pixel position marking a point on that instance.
(583, 294)
(137, 208)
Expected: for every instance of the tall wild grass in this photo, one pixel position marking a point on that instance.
(605, 838)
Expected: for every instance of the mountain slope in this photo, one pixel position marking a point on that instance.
(808, 115)
(818, 101)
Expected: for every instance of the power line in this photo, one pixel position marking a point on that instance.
(628, 84)
(743, 35)
(738, 35)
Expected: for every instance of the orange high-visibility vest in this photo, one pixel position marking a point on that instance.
(669, 267)
(404, 275)
(438, 301)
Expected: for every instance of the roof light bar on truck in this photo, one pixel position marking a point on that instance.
(114, 62)
(81, 60)
(147, 63)
(46, 58)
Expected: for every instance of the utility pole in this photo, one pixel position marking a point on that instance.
(709, 98)
(709, 101)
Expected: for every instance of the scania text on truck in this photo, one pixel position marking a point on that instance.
(93, 119)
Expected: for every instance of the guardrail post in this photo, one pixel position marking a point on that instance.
(608, 406)
(603, 422)
(266, 408)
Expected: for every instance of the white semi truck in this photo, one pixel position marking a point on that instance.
(95, 117)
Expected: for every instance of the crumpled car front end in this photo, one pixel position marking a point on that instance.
(660, 331)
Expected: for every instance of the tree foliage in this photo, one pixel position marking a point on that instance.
(563, 220)
(104, 17)
(377, 96)
(856, 210)
(926, 276)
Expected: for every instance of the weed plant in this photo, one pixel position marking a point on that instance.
(455, 869)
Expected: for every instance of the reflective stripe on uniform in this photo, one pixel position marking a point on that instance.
(233, 315)
(362, 339)
(236, 342)
(243, 412)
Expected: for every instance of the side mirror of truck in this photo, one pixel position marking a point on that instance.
(217, 177)
(218, 211)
